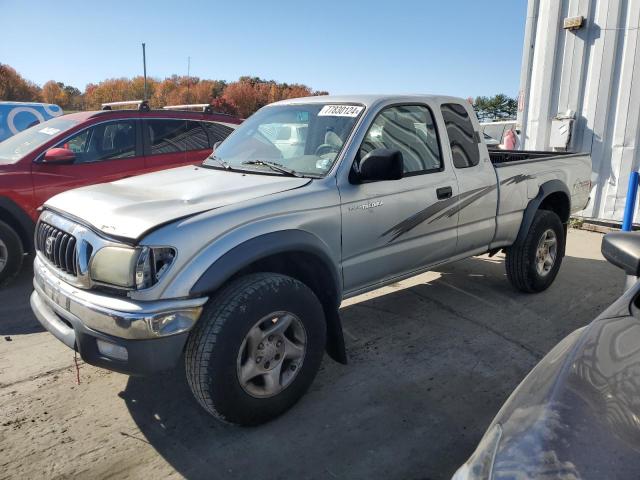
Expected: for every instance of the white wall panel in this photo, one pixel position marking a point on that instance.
(594, 72)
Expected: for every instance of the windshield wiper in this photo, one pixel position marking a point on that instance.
(273, 166)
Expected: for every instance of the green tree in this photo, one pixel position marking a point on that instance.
(498, 107)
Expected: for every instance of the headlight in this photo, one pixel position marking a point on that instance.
(131, 267)
(115, 266)
(152, 264)
(480, 464)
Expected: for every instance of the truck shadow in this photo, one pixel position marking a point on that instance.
(430, 366)
(16, 317)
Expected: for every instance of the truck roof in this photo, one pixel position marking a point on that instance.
(369, 100)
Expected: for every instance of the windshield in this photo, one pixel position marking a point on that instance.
(25, 142)
(304, 139)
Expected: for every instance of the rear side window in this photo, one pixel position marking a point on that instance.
(217, 132)
(494, 131)
(166, 136)
(464, 148)
(196, 137)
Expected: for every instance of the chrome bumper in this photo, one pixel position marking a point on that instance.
(59, 306)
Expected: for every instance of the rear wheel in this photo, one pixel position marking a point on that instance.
(533, 263)
(256, 348)
(11, 253)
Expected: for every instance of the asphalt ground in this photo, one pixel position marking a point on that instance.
(431, 361)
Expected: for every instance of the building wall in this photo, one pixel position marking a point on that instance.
(595, 73)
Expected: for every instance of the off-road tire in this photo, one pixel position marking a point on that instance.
(15, 254)
(521, 256)
(214, 343)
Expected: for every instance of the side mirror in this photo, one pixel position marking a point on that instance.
(59, 155)
(216, 145)
(381, 164)
(622, 249)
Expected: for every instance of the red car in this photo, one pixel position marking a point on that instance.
(92, 147)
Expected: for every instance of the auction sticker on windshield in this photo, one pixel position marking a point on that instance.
(49, 131)
(340, 111)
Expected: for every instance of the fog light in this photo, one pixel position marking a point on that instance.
(174, 322)
(112, 350)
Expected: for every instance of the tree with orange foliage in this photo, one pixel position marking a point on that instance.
(52, 93)
(242, 98)
(65, 96)
(15, 88)
(222, 105)
(116, 90)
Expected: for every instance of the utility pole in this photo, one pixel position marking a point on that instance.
(144, 66)
(188, 78)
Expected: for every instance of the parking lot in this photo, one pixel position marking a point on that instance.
(431, 361)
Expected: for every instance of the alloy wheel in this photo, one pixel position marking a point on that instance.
(547, 252)
(271, 354)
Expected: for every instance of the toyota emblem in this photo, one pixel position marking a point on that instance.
(48, 245)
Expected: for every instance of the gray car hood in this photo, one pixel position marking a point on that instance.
(128, 208)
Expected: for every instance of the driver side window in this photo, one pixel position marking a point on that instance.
(105, 141)
(411, 130)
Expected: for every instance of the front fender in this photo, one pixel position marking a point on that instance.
(264, 246)
(11, 213)
(261, 247)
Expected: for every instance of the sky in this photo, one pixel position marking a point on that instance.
(455, 47)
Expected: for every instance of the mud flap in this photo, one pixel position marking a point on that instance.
(335, 338)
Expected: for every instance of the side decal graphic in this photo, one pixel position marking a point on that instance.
(451, 206)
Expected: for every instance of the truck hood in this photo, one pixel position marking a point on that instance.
(128, 208)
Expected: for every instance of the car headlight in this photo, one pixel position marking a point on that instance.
(129, 267)
(480, 464)
(152, 264)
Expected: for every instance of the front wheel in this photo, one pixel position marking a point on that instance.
(256, 349)
(11, 254)
(533, 263)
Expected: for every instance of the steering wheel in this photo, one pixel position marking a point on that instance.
(326, 148)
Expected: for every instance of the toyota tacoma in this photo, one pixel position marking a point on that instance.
(239, 265)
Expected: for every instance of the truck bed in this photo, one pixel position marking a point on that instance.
(520, 175)
(507, 156)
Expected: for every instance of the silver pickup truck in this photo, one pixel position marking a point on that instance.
(240, 265)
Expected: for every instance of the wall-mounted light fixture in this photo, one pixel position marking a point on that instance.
(573, 23)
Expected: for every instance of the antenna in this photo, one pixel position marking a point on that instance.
(144, 66)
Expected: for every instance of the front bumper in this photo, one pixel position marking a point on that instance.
(152, 333)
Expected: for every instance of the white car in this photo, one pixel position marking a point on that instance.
(288, 138)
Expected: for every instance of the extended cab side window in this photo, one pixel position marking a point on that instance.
(410, 129)
(105, 141)
(465, 150)
(166, 136)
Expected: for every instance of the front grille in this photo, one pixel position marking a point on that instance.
(58, 247)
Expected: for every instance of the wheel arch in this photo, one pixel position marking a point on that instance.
(295, 253)
(553, 195)
(16, 218)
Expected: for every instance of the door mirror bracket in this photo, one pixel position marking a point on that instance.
(380, 164)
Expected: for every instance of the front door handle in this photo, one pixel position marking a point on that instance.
(444, 192)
